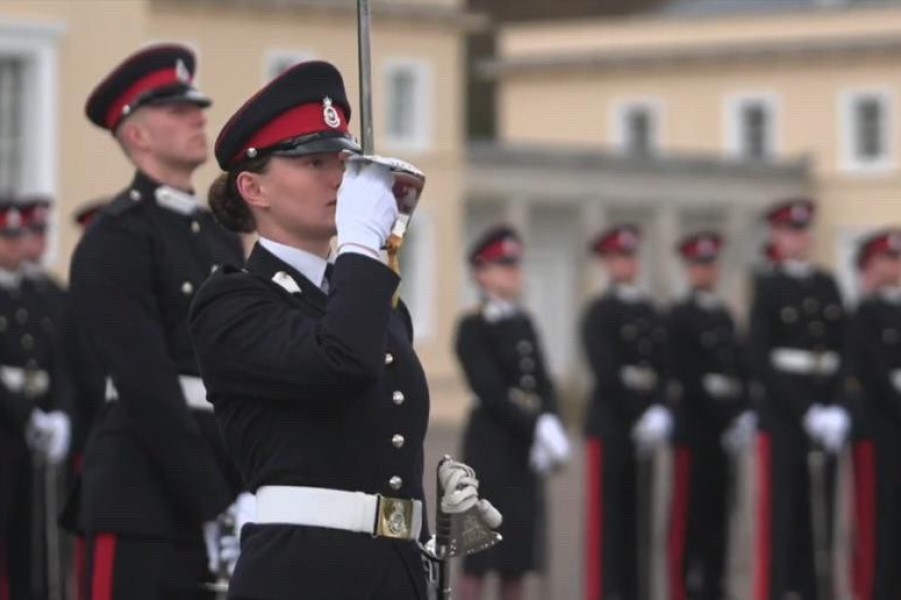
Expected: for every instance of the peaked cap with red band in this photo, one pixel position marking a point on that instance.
(160, 74)
(884, 242)
(701, 247)
(85, 215)
(499, 244)
(35, 212)
(302, 111)
(10, 217)
(797, 213)
(620, 239)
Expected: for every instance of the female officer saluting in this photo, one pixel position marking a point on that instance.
(321, 399)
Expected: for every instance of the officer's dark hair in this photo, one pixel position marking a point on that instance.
(226, 202)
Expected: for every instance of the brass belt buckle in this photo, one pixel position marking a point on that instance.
(395, 518)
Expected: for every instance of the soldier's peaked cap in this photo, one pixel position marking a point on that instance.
(499, 244)
(884, 242)
(702, 246)
(797, 213)
(619, 239)
(303, 111)
(158, 74)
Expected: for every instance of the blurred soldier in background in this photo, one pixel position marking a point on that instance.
(712, 419)
(875, 356)
(34, 431)
(624, 340)
(796, 350)
(514, 437)
(156, 478)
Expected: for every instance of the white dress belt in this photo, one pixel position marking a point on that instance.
(191, 387)
(16, 379)
(805, 362)
(372, 514)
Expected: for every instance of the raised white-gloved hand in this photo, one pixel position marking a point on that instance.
(222, 550)
(461, 492)
(366, 208)
(550, 447)
(740, 432)
(652, 429)
(49, 434)
(244, 511)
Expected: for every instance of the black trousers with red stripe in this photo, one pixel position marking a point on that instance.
(876, 569)
(698, 545)
(612, 505)
(127, 568)
(784, 559)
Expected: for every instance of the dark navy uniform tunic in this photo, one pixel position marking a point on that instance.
(706, 368)
(798, 312)
(318, 391)
(504, 366)
(153, 467)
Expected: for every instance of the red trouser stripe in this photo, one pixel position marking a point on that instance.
(4, 572)
(679, 523)
(594, 555)
(104, 562)
(764, 517)
(864, 562)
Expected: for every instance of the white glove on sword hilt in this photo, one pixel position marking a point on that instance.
(407, 185)
(469, 520)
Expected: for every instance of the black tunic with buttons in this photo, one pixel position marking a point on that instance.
(152, 466)
(702, 340)
(320, 391)
(802, 313)
(504, 366)
(616, 334)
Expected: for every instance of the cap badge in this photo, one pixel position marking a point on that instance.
(14, 219)
(706, 246)
(894, 242)
(329, 114)
(181, 71)
(799, 213)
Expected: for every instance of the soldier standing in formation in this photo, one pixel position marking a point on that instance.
(34, 429)
(514, 437)
(875, 354)
(712, 417)
(796, 350)
(317, 388)
(155, 474)
(625, 342)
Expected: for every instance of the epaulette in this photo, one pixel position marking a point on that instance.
(122, 203)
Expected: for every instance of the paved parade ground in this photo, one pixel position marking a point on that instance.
(566, 527)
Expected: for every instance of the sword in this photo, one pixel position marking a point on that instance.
(219, 587)
(817, 464)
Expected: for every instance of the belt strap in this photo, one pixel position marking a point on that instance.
(373, 514)
(192, 389)
(805, 362)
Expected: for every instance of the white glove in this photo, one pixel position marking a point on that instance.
(221, 550)
(827, 425)
(652, 429)
(740, 433)
(244, 511)
(366, 208)
(550, 445)
(49, 434)
(540, 459)
(461, 492)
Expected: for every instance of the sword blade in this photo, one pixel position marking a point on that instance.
(364, 53)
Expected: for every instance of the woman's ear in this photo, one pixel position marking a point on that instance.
(251, 189)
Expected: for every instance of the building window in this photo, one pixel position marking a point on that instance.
(867, 131)
(279, 61)
(12, 101)
(417, 288)
(407, 105)
(637, 127)
(751, 126)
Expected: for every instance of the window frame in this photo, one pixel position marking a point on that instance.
(849, 160)
(734, 141)
(655, 108)
(421, 138)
